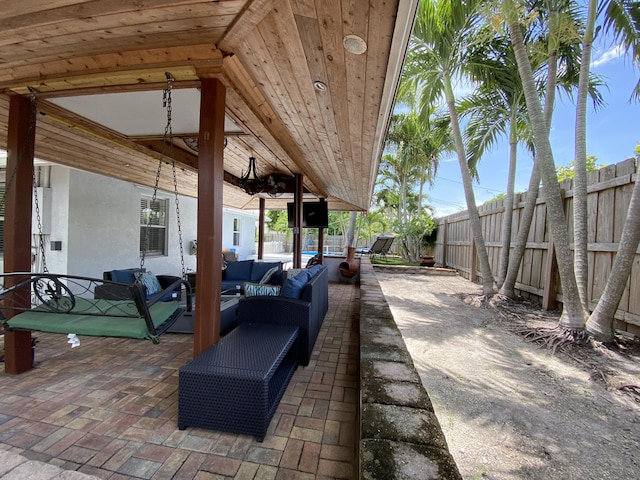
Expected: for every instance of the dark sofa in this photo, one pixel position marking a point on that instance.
(306, 312)
(242, 271)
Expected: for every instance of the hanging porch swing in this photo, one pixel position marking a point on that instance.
(77, 305)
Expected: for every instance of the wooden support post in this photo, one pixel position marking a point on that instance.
(261, 230)
(320, 244)
(210, 184)
(18, 350)
(297, 224)
(320, 241)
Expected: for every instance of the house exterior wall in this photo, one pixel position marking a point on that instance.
(247, 232)
(97, 221)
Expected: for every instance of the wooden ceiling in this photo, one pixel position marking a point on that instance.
(268, 53)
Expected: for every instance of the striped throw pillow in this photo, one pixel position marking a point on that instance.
(256, 289)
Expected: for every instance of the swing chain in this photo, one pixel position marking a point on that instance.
(175, 187)
(168, 134)
(39, 220)
(166, 103)
(168, 139)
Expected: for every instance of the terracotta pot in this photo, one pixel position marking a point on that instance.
(427, 261)
(349, 267)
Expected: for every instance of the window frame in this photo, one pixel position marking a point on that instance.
(237, 230)
(162, 250)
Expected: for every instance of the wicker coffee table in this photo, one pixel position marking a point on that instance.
(236, 384)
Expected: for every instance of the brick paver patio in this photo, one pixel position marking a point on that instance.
(109, 409)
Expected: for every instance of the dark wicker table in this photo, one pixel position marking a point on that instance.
(236, 384)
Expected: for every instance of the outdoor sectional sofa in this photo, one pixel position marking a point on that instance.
(237, 273)
(236, 384)
(306, 309)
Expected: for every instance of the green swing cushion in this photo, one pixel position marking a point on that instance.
(108, 318)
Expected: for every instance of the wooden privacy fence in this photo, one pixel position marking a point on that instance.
(609, 192)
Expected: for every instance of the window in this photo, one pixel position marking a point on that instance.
(236, 232)
(153, 226)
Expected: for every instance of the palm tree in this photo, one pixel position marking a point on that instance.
(401, 166)
(600, 322)
(580, 227)
(573, 316)
(496, 108)
(622, 18)
(418, 143)
(434, 62)
(562, 49)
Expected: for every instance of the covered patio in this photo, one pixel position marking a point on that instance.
(304, 87)
(109, 409)
(307, 89)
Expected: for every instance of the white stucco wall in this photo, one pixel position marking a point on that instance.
(97, 220)
(248, 226)
(103, 226)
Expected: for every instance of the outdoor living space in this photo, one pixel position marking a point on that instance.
(109, 408)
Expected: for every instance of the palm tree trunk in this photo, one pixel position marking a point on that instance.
(580, 227)
(508, 201)
(573, 317)
(600, 323)
(508, 286)
(474, 216)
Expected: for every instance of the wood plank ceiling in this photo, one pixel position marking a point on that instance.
(268, 53)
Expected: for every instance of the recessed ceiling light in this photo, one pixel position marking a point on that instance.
(321, 86)
(354, 44)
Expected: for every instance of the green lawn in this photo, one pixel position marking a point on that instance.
(391, 260)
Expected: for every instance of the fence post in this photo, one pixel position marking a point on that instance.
(474, 264)
(444, 243)
(550, 284)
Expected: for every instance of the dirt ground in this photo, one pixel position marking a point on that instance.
(509, 408)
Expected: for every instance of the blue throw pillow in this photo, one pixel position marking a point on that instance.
(314, 270)
(260, 268)
(292, 287)
(125, 276)
(292, 272)
(238, 270)
(150, 281)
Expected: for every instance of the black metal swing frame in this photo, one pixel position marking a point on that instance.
(69, 304)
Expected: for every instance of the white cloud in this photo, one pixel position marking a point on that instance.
(608, 56)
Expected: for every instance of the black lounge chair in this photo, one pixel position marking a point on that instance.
(380, 247)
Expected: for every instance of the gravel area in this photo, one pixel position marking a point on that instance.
(510, 409)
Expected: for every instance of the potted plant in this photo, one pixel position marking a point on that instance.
(428, 241)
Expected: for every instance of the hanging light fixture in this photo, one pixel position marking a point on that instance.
(250, 181)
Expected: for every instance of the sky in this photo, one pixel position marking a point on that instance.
(612, 134)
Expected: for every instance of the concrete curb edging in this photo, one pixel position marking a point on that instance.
(400, 437)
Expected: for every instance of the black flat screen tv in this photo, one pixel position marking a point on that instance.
(314, 214)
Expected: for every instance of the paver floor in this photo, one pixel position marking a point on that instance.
(109, 408)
